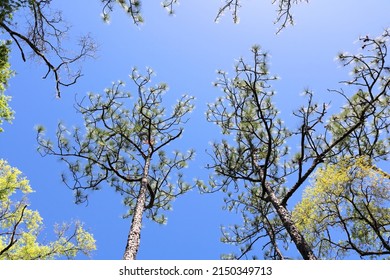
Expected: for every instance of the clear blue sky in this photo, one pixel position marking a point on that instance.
(185, 51)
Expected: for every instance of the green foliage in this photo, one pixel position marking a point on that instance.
(367, 111)
(20, 226)
(123, 137)
(8, 7)
(247, 114)
(124, 143)
(347, 210)
(367, 139)
(6, 112)
(260, 164)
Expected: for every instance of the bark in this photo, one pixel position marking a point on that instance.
(288, 223)
(134, 237)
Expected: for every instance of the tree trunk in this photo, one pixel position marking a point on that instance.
(134, 237)
(289, 224)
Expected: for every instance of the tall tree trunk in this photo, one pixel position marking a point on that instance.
(286, 218)
(289, 224)
(134, 237)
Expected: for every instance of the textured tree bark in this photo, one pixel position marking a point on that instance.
(285, 216)
(134, 237)
(288, 223)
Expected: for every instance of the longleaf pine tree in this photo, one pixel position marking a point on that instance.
(258, 167)
(124, 145)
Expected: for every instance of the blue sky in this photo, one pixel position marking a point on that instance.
(185, 51)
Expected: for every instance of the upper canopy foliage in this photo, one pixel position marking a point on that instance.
(260, 169)
(122, 133)
(347, 210)
(344, 212)
(20, 227)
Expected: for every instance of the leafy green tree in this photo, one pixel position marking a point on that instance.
(258, 167)
(42, 36)
(124, 144)
(346, 211)
(20, 226)
(6, 112)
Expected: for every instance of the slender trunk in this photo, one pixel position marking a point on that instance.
(289, 224)
(134, 237)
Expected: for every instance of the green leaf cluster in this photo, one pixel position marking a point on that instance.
(346, 209)
(247, 112)
(6, 112)
(121, 136)
(20, 226)
(8, 7)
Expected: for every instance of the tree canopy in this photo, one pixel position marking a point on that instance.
(124, 144)
(254, 165)
(317, 189)
(346, 210)
(20, 226)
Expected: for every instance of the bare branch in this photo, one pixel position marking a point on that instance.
(14, 232)
(44, 38)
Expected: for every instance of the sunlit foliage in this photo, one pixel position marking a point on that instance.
(260, 163)
(347, 211)
(124, 144)
(6, 113)
(21, 227)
